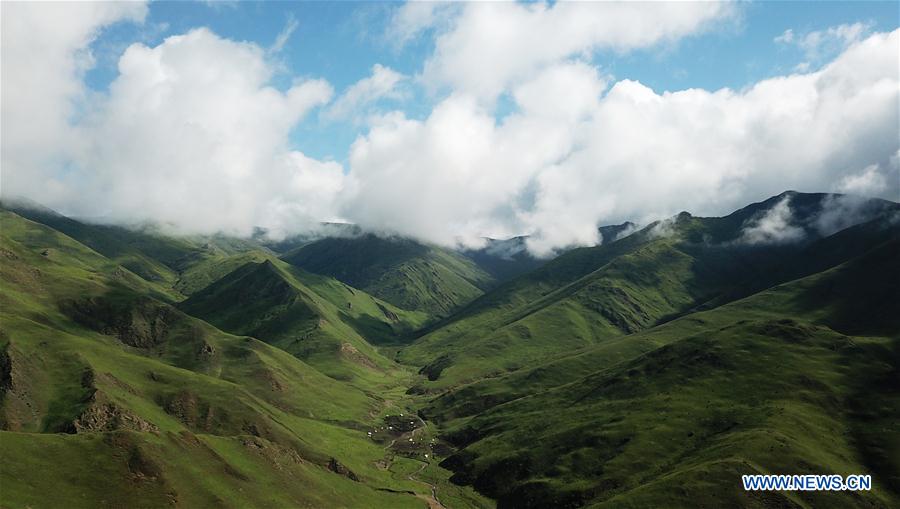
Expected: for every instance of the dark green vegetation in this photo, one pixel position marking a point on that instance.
(505, 259)
(113, 397)
(658, 273)
(138, 369)
(403, 272)
(316, 318)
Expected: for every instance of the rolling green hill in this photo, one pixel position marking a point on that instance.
(183, 263)
(590, 295)
(110, 397)
(142, 370)
(406, 273)
(476, 397)
(316, 318)
(672, 416)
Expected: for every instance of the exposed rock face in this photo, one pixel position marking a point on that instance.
(350, 353)
(143, 323)
(190, 410)
(5, 371)
(103, 415)
(390, 315)
(270, 377)
(100, 413)
(279, 456)
(336, 467)
(206, 351)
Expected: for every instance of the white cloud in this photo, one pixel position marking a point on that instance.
(289, 27)
(868, 182)
(773, 227)
(786, 37)
(819, 44)
(627, 231)
(383, 83)
(191, 135)
(629, 154)
(840, 211)
(413, 18)
(45, 53)
(492, 45)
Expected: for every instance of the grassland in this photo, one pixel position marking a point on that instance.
(112, 397)
(672, 416)
(406, 273)
(141, 370)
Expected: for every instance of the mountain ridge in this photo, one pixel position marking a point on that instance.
(684, 353)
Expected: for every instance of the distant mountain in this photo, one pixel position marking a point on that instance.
(324, 230)
(613, 232)
(667, 269)
(672, 416)
(318, 319)
(504, 259)
(404, 272)
(169, 260)
(652, 370)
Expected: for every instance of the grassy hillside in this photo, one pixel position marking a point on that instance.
(591, 295)
(473, 398)
(315, 318)
(182, 263)
(650, 371)
(672, 416)
(207, 271)
(504, 259)
(404, 272)
(111, 397)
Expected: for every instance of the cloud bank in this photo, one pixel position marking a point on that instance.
(775, 226)
(577, 153)
(383, 83)
(192, 134)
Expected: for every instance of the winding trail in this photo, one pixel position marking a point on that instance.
(433, 501)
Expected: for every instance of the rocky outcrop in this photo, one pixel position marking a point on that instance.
(101, 414)
(336, 467)
(141, 323)
(350, 353)
(109, 417)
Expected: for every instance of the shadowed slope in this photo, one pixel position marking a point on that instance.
(404, 272)
(138, 404)
(767, 384)
(316, 318)
(591, 295)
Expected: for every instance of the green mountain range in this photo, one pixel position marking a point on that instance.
(141, 369)
(401, 271)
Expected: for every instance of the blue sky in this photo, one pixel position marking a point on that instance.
(445, 122)
(341, 41)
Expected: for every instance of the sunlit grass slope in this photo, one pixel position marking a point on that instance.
(406, 273)
(111, 397)
(316, 318)
(592, 295)
(800, 378)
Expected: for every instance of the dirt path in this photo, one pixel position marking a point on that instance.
(433, 502)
